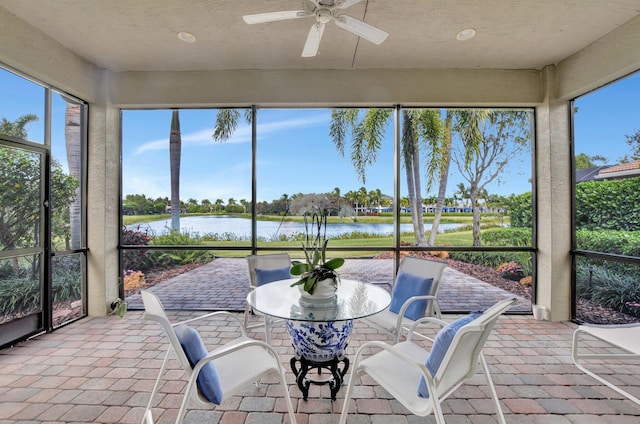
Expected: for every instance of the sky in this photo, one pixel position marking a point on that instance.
(295, 153)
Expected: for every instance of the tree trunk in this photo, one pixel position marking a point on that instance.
(420, 236)
(175, 142)
(407, 156)
(444, 179)
(73, 144)
(476, 214)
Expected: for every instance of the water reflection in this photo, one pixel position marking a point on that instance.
(268, 230)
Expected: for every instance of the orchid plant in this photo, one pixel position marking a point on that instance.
(315, 209)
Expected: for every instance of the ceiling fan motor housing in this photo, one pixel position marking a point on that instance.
(323, 15)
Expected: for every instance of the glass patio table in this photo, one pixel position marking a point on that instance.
(319, 328)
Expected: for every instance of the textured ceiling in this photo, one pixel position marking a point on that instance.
(140, 35)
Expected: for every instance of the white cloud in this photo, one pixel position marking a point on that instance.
(242, 134)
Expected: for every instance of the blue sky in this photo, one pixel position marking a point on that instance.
(295, 153)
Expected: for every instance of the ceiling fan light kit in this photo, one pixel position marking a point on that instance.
(324, 11)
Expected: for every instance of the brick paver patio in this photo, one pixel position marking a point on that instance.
(223, 284)
(102, 370)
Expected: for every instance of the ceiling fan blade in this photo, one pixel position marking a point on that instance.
(313, 40)
(343, 4)
(362, 29)
(260, 18)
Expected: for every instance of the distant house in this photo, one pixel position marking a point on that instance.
(624, 170)
(609, 172)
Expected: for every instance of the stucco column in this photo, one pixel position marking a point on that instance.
(102, 200)
(553, 159)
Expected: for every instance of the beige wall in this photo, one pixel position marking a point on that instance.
(29, 51)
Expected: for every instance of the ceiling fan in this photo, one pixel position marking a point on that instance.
(324, 11)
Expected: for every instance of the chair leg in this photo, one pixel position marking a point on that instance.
(494, 394)
(267, 329)
(287, 397)
(347, 396)
(247, 312)
(148, 416)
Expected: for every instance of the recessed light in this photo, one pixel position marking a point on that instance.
(466, 34)
(187, 37)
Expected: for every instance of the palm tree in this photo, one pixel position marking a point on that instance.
(175, 147)
(219, 203)
(462, 192)
(73, 138)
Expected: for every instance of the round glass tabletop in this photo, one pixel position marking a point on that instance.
(353, 300)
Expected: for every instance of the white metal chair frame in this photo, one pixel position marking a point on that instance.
(626, 337)
(239, 363)
(398, 368)
(416, 266)
(268, 261)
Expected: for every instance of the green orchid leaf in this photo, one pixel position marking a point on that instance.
(299, 268)
(334, 263)
(299, 282)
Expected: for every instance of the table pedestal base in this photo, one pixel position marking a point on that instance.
(334, 380)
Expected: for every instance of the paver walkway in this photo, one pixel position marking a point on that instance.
(223, 284)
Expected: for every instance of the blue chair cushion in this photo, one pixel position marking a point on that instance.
(406, 286)
(264, 276)
(440, 347)
(207, 380)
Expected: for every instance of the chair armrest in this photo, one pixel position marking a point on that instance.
(234, 346)
(209, 315)
(424, 320)
(408, 303)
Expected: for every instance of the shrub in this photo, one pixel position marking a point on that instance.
(169, 258)
(506, 237)
(66, 279)
(613, 285)
(611, 241)
(521, 210)
(608, 204)
(493, 259)
(19, 296)
(135, 258)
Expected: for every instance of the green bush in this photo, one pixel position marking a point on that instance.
(493, 259)
(609, 284)
(66, 279)
(521, 210)
(137, 259)
(608, 205)
(169, 258)
(611, 241)
(501, 236)
(19, 296)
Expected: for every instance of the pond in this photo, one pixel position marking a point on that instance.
(269, 230)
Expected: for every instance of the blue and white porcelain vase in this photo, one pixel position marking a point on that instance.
(320, 341)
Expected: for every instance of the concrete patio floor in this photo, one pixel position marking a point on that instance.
(102, 370)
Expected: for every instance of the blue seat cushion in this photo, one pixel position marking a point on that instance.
(408, 285)
(441, 345)
(264, 276)
(207, 380)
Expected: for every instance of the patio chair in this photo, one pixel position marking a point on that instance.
(413, 295)
(624, 337)
(265, 269)
(213, 376)
(421, 380)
